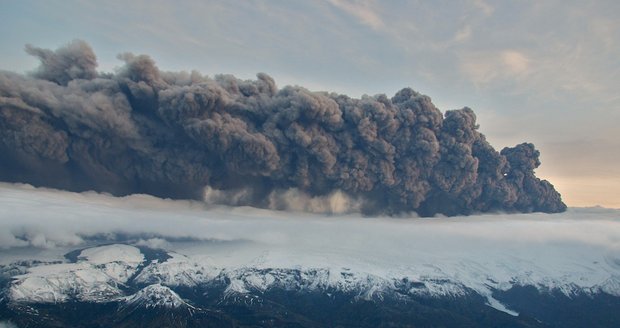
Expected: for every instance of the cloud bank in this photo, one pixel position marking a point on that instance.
(143, 130)
(48, 218)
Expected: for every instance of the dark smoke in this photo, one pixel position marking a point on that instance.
(142, 130)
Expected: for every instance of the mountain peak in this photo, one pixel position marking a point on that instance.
(156, 296)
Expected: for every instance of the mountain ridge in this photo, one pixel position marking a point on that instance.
(156, 290)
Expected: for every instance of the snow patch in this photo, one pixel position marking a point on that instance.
(112, 253)
(499, 306)
(178, 270)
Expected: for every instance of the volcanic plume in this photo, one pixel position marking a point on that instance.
(177, 134)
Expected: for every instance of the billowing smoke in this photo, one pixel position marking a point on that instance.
(142, 130)
(291, 199)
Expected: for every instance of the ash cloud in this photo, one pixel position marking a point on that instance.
(171, 134)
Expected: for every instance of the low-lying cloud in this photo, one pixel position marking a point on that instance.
(46, 218)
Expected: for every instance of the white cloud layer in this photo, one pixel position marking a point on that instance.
(49, 218)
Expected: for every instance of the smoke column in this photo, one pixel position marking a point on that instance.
(177, 134)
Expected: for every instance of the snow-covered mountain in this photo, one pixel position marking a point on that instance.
(156, 296)
(122, 274)
(141, 261)
(95, 277)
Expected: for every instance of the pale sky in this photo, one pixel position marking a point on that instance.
(546, 72)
